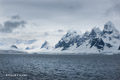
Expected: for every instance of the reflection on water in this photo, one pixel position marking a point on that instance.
(59, 67)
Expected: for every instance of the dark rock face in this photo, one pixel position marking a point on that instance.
(68, 40)
(45, 45)
(86, 36)
(110, 38)
(95, 37)
(93, 33)
(119, 48)
(99, 43)
(83, 39)
(108, 32)
(63, 44)
(108, 28)
(14, 46)
(109, 45)
(80, 42)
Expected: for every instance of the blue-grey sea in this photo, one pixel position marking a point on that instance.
(59, 67)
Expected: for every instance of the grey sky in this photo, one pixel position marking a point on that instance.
(64, 14)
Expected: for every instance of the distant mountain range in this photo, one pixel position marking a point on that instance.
(95, 41)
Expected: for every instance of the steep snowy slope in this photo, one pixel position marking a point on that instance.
(68, 40)
(45, 45)
(111, 37)
(95, 41)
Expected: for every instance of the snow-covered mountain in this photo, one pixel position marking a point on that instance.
(14, 47)
(45, 45)
(68, 40)
(95, 41)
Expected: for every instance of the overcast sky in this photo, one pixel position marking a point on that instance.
(28, 16)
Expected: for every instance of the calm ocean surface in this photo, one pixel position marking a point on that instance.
(59, 67)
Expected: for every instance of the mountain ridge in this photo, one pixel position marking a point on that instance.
(100, 39)
(94, 41)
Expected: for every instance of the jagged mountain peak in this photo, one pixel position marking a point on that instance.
(110, 23)
(96, 29)
(69, 39)
(14, 46)
(46, 42)
(109, 27)
(72, 33)
(93, 41)
(45, 45)
(110, 31)
(86, 33)
(98, 42)
(95, 32)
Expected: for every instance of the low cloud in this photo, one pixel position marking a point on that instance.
(9, 25)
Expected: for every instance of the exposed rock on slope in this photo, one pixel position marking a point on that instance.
(45, 45)
(107, 40)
